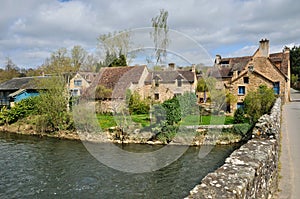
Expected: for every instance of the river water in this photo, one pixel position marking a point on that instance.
(32, 167)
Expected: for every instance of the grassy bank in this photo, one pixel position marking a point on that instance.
(107, 121)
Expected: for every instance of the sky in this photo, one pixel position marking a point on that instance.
(31, 30)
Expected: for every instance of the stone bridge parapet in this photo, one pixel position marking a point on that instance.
(252, 170)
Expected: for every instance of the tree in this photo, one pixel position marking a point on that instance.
(117, 43)
(188, 104)
(52, 105)
(102, 93)
(294, 79)
(160, 35)
(90, 64)
(63, 61)
(259, 102)
(202, 87)
(295, 60)
(136, 104)
(78, 57)
(10, 70)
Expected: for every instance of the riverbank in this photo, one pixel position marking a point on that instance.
(194, 136)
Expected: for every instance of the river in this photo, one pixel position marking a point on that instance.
(33, 167)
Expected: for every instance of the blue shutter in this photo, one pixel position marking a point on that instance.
(276, 88)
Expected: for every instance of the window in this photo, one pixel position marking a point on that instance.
(246, 80)
(156, 83)
(77, 82)
(177, 94)
(75, 92)
(179, 82)
(156, 96)
(276, 88)
(240, 105)
(241, 90)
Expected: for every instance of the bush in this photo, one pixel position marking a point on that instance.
(188, 104)
(21, 110)
(167, 116)
(259, 102)
(173, 111)
(136, 105)
(241, 129)
(239, 116)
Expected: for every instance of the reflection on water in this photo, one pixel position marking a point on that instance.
(50, 168)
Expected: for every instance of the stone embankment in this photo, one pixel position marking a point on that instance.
(252, 170)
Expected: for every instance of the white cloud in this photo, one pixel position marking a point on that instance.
(47, 25)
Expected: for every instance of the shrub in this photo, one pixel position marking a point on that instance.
(241, 129)
(173, 111)
(188, 104)
(259, 102)
(21, 110)
(137, 105)
(239, 116)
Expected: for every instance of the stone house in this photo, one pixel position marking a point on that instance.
(80, 82)
(239, 75)
(117, 80)
(156, 85)
(163, 85)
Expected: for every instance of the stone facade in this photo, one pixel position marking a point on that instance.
(163, 85)
(80, 82)
(243, 74)
(252, 170)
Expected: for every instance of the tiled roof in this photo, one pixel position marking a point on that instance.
(228, 65)
(88, 76)
(171, 76)
(281, 61)
(20, 83)
(118, 79)
(219, 73)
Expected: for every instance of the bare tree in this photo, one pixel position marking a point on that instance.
(117, 43)
(160, 35)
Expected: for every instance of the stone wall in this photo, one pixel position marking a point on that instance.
(252, 170)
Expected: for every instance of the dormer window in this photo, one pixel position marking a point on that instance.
(77, 82)
(179, 82)
(156, 82)
(251, 68)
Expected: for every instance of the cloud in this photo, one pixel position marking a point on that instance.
(44, 26)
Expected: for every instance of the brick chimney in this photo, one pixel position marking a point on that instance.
(171, 66)
(264, 47)
(218, 59)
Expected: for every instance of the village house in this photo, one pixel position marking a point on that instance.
(80, 82)
(117, 80)
(163, 85)
(155, 85)
(239, 75)
(16, 89)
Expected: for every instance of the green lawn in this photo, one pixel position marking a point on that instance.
(107, 121)
(207, 120)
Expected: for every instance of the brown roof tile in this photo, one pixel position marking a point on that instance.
(118, 79)
(280, 60)
(170, 76)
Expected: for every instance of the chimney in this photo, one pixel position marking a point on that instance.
(172, 66)
(235, 74)
(218, 59)
(193, 68)
(286, 50)
(264, 47)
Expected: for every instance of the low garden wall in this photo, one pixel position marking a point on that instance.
(252, 170)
